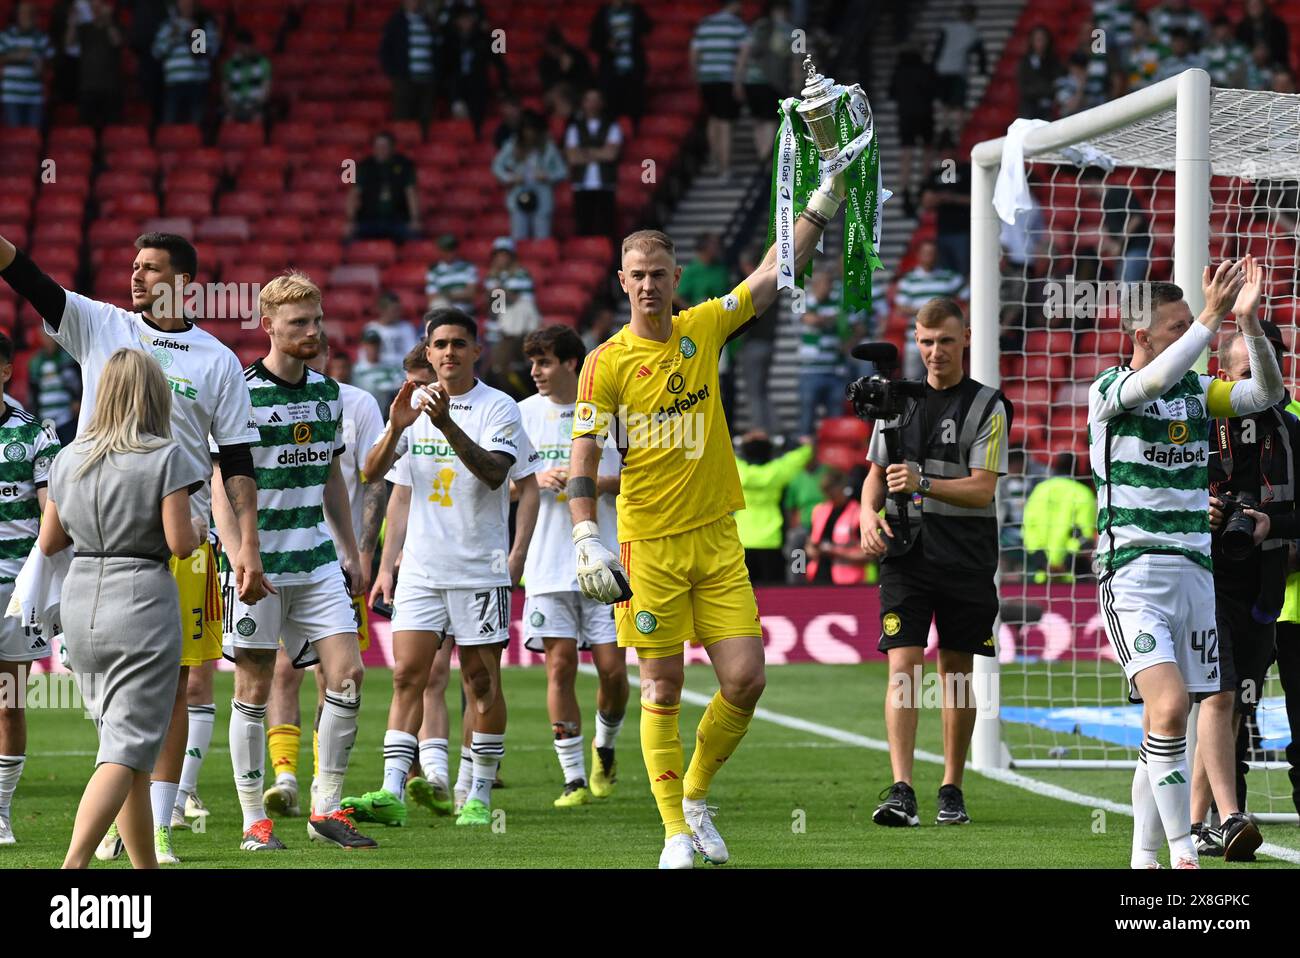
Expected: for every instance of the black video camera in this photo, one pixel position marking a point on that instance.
(1237, 538)
(881, 397)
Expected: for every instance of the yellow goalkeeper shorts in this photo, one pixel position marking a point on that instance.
(198, 585)
(690, 587)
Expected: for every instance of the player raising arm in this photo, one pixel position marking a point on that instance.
(1149, 425)
(680, 552)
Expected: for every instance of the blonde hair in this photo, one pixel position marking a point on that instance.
(289, 287)
(133, 409)
(649, 241)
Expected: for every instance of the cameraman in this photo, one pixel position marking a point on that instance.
(954, 447)
(1251, 461)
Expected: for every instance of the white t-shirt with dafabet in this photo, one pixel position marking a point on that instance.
(458, 534)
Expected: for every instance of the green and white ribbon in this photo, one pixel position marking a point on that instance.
(798, 169)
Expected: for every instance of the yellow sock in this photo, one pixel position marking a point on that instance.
(315, 754)
(718, 735)
(282, 741)
(661, 747)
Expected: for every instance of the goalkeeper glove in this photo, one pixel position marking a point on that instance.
(599, 574)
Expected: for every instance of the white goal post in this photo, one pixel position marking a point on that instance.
(1186, 150)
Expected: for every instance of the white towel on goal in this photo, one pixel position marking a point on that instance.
(38, 590)
(1011, 194)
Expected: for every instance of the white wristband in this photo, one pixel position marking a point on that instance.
(825, 202)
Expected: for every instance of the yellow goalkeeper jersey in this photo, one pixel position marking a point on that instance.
(663, 403)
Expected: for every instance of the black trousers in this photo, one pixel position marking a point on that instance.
(593, 211)
(1288, 670)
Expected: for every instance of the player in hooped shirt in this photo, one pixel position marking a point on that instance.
(458, 451)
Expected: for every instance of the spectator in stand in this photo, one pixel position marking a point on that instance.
(509, 289)
(529, 165)
(98, 42)
(54, 387)
(1225, 55)
(824, 331)
(396, 334)
(601, 328)
(770, 72)
(705, 276)
(1260, 68)
(1037, 75)
(1104, 62)
(1072, 90)
(925, 281)
(947, 192)
(715, 49)
(565, 72)
(1059, 525)
(1125, 227)
(834, 549)
(617, 37)
(958, 42)
(593, 143)
(468, 55)
(147, 17)
(1115, 19)
(25, 51)
(1262, 25)
(1179, 15)
(371, 373)
(1144, 54)
(913, 86)
(453, 281)
(802, 495)
(1180, 56)
(760, 525)
(1283, 82)
(187, 58)
(384, 203)
(410, 55)
(246, 81)
(512, 120)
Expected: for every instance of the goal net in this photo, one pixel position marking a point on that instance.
(1148, 188)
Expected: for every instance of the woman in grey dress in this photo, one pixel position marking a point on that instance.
(120, 496)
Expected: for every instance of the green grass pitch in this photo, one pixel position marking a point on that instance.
(789, 798)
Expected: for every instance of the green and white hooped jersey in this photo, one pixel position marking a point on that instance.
(300, 426)
(1150, 466)
(28, 452)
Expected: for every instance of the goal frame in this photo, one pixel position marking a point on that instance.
(1189, 96)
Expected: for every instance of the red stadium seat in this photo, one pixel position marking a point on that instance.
(280, 229)
(60, 206)
(112, 232)
(116, 184)
(1088, 368)
(562, 299)
(579, 272)
(262, 179)
(597, 248)
(545, 251)
(846, 430)
(297, 134)
(273, 256)
(14, 207)
(208, 159)
(379, 252)
(241, 135)
(180, 225)
(190, 181)
(227, 229)
(130, 204)
(346, 303)
(250, 205)
(177, 136)
(1105, 343)
(133, 159)
(405, 275)
(196, 205)
(72, 138)
(359, 275)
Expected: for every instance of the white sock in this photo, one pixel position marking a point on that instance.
(435, 763)
(606, 730)
(488, 748)
(202, 718)
(337, 733)
(569, 752)
(1171, 784)
(248, 756)
(399, 753)
(465, 773)
(11, 769)
(162, 796)
(287, 778)
(1148, 834)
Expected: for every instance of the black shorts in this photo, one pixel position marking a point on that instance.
(916, 129)
(963, 605)
(952, 90)
(720, 101)
(763, 101)
(1246, 649)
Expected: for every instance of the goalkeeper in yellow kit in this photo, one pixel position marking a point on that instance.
(655, 383)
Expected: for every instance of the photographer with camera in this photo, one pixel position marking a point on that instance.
(937, 449)
(1252, 516)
